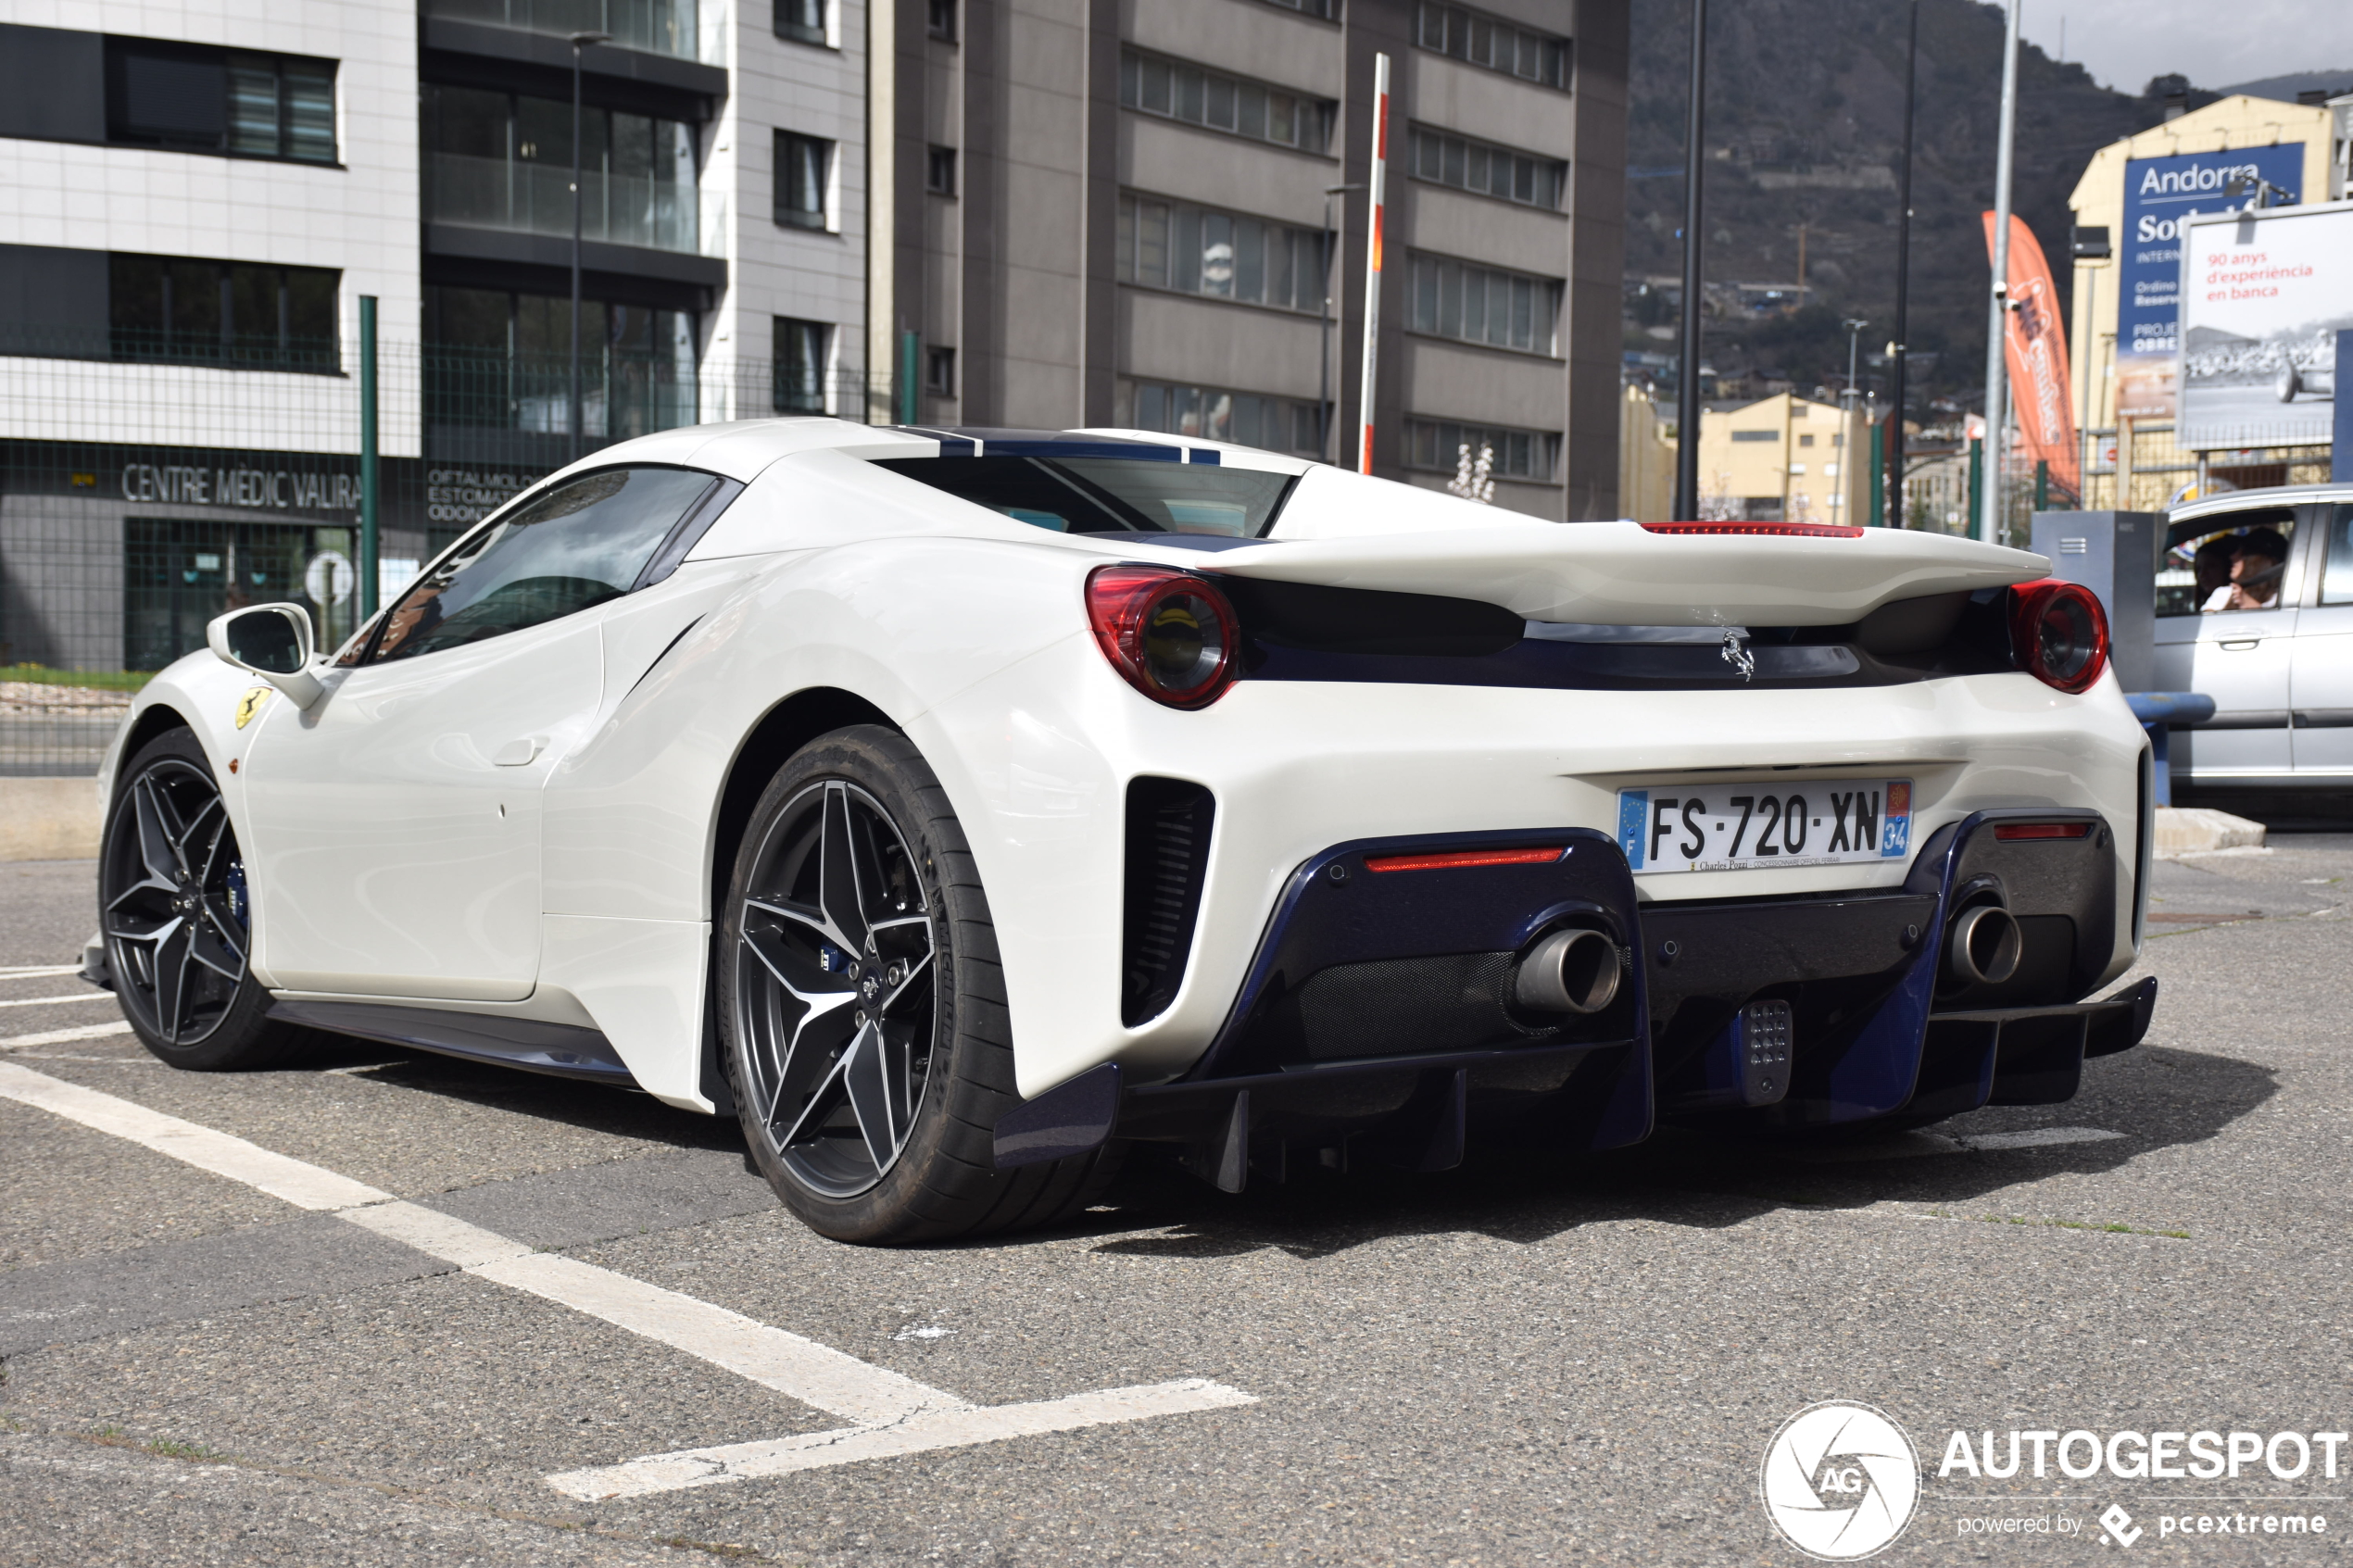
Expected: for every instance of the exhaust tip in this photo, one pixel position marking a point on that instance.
(1569, 972)
(1982, 945)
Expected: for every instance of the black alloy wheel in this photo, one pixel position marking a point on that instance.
(176, 916)
(862, 1010)
(835, 991)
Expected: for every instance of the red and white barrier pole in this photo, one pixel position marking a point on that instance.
(1372, 261)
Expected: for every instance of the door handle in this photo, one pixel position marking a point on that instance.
(2240, 644)
(518, 753)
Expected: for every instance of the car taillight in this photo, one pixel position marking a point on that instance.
(2059, 633)
(1169, 632)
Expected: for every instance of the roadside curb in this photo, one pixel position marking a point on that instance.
(48, 818)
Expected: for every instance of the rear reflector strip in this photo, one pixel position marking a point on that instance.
(1458, 858)
(2042, 830)
(1796, 530)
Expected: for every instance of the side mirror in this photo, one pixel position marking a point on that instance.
(271, 641)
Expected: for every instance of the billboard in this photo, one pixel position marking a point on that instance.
(2160, 195)
(2263, 297)
(2036, 350)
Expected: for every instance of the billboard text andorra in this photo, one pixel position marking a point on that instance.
(2160, 194)
(2263, 297)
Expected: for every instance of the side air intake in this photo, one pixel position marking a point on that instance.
(1168, 824)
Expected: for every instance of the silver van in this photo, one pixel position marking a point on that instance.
(2255, 609)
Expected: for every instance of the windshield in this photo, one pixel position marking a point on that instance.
(1109, 495)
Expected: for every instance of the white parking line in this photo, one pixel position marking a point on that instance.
(60, 1036)
(53, 1001)
(28, 972)
(932, 1429)
(894, 1414)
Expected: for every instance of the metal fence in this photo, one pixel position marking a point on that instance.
(142, 494)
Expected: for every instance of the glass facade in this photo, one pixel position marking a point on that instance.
(235, 314)
(1519, 454)
(1494, 46)
(1246, 418)
(496, 360)
(1482, 305)
(1490, 171)
(1197, 250)
(1176, 90)
(660, 27)
(498, 160)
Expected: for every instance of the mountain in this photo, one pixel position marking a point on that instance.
(1805, 128)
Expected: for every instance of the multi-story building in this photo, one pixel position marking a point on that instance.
(1055, 212)
(1784, 459)
(1116, 214)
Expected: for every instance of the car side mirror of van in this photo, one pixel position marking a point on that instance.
(270, 641)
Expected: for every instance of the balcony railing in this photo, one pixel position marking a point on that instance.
(661, 27)
(535, 198)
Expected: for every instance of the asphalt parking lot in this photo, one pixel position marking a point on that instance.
(214, 1355)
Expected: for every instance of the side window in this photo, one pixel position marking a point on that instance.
(577, 546)
(2227, 561)
(2337, 576)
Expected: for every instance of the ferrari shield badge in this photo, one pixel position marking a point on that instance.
(250, 705)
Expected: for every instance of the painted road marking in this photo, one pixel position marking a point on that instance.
(894, 1413)
(932, 1429)
(28, 972)
(53, 1001)
(304, 1185)
(61, 1037)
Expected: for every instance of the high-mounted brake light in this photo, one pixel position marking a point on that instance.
(1171, 634)
(1792, 530)
(1456, 858)
(2059, 633)
(2008, 830)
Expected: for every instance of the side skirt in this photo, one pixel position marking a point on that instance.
(560, 1050)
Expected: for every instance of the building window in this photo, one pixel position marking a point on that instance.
(1757, 435)
(803, 21)
(188, 98)
(940, 172)
(1491, 172)
(1223, 102)
(1494, 46)
(1327, 9)
(494, 160)
(1481, 305)
(942, 20)
(1438, 445)
(1197, 250)
(235, 314)
(496, 360)
(939, 372)
(803, 350)
(1274, 424)
(1806, 441)
(803, 163)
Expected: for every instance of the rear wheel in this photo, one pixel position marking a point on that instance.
(862, 1011)
(175, 915)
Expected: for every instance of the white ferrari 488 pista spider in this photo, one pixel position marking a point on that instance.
(959, 807)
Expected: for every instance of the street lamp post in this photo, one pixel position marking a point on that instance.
(1898, 345)
(1687, 410)
(579, 40)
(1324, 421)
(1853, 325)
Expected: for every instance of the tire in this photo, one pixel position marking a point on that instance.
(863, 1017)
(176, 919)
(2288, 384)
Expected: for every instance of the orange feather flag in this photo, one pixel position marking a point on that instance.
(2036, 349)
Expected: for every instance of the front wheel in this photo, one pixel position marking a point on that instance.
(862, 1011)
(176, 917)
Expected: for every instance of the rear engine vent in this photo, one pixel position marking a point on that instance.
(1168, 824)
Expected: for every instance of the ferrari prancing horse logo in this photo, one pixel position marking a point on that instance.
(250, 704)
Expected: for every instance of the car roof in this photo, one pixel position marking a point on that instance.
(2270, 495)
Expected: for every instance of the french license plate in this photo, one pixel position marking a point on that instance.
(1744, 826)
